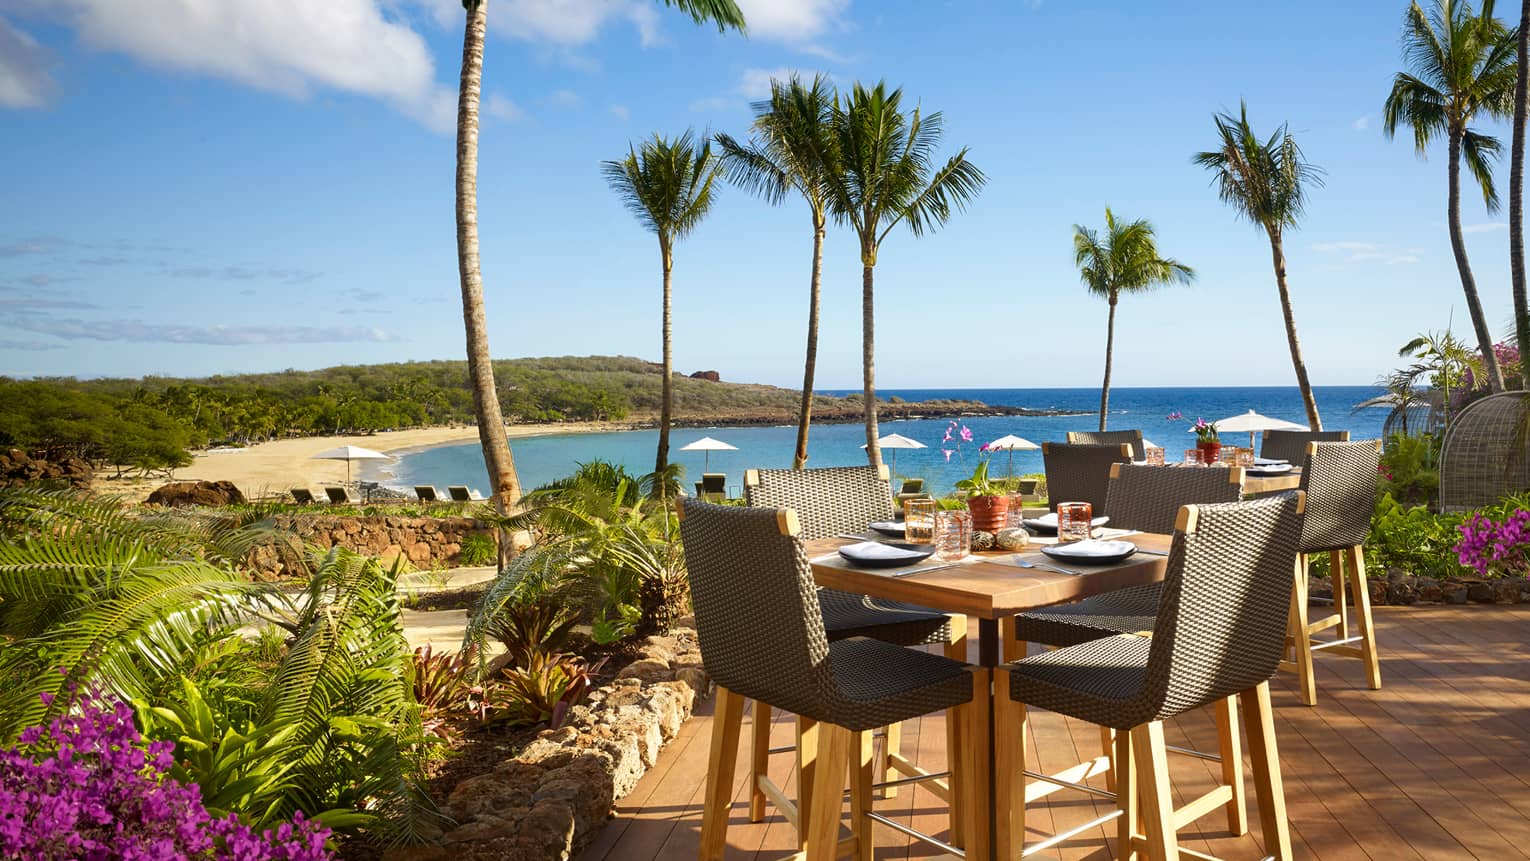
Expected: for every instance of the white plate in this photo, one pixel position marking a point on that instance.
(875, 554)
(890, 528)
(1048, 522)
(1091, 551)
(1271, 469)
(1270, 461)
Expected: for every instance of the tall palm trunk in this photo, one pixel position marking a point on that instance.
(1110, 344)
(1469, 283)
(491, 422)
(667, 390)
(810, 365)
(1278, 253)
(868, 360)
(1517, 202)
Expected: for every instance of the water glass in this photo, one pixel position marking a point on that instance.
(1154, 456)
(1013, 519)
(1192, 457)
(1245, 457)
(919, 520)
(1228, 455)
(1073, 520)
(953, 534)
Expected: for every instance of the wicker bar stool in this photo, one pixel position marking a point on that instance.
(1217, 635)
(1340, 481)
(828, 502)
(1081, 473)
(1147, 498)
(1134, 437)
(762, 637)
(1291, 446)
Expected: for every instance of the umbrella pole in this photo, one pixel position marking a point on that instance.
(894, 466)
(1011, 467)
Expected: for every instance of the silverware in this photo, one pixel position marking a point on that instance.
(1152, 552)
(925, 569)
(1026, 563)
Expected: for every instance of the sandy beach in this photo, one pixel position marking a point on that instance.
(271, 468)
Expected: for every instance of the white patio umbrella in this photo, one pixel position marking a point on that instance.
(349, 453)
(895, 441)
(708, 445)
(1255, 423)
(1009, 443)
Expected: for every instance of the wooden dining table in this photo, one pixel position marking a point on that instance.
(991, 588)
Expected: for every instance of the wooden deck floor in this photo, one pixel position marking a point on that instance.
(1434, 766)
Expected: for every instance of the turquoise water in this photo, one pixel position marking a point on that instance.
(542, 459)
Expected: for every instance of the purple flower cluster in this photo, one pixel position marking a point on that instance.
(89, 787)
(1494, 547)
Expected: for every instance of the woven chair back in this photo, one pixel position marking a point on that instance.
(1291, 446)
(1221, 622)
(1150, 497)
(757, 616)
(1131, 437)
(1081, 473)
(1340, 480)
(828, 501)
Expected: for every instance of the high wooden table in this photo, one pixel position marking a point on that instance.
(991, 589)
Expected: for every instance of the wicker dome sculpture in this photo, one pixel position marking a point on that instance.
(1486, 454)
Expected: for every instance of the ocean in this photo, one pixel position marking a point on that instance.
(542, 459)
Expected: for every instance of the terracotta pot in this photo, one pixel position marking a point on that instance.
(1210, 451)
(989, 513)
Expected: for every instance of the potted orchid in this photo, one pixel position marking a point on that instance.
(986, 499)
(1206, 440)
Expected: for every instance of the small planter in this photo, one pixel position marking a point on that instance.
(989, 513)
(1210, 451)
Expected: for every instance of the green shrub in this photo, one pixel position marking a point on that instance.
(1414, 539)
(478, 548)
(1410, 469)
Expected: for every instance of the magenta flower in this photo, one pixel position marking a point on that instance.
(966, 434)
(1175, 416)
(948, 453)
(948, 436)
(983, 447)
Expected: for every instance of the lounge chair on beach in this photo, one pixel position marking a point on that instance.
(428, 493)
(912, 488)
(713, 486)
(340, 496)
(302, 496)
(461, 493)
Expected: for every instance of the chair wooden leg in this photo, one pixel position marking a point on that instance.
(1232, 764)
(808, 736)
(759, 759)
(862, 771)
(1152, 760)
(892, 743)
(1363, 617)
(828, 792)
(978, 759)
(1130, 822)
(1009, 643)
(1259, 721)
(956, 650)
(1108, 748)
(727, 721)
(1009, 756)
(1340, 592)
(1307, 679)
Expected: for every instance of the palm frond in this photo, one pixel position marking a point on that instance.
(723, 13)
(1479, 151)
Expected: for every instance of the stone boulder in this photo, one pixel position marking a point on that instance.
(19, 468)
(709, 376)
(181, 494)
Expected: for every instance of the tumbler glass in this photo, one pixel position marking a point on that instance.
(953, 534)
(919, 520)
(1013, 519)
(1155, 456)
(1073, 520)
(1192, 457)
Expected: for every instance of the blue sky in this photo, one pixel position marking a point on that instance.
(267, 184)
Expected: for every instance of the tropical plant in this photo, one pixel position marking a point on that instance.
(540, 692)
(491, 429)
(1124, 260)
(886, 175)
(478, 549)
(1441, 359)
(533, 629)
(444, 689)
(1410, 469)
(1266, 182)
(1414, 539)
(667, 186)
(792, 148)
(1517, 192)
(1495, 541)
(1461, 68)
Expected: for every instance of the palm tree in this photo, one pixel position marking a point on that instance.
(667, 186)
(1126, 260)
(1517, 195)
(1462, 66)
(1265, 182)
(886, 176)
(491, 423)
(791, 147)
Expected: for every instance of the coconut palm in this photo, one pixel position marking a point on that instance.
(1517, 196)
(1124, 260)
(1266, 182)
(789, 146)
(885, 176)
(491, 424)
(1462, 67)
(667, 186)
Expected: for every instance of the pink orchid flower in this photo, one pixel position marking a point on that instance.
(983, 447)
(948, 452)
(966, 434)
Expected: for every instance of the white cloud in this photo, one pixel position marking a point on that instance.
(24, 78)
(285, 46)
(1485, 228)
(1361, 123)
(567, 98)
(755, 83)
(502, 108)
(792, 20)
(577, 22)
(1366, 252)
(140, 332)
(711, 105)
(621, 112)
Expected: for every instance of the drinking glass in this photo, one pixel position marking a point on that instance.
(953, 534)
(1192, 457)
(1013, 520)
(1228, 455)
(919, 520)
(1155, 457)
(1245, 457)
(1073, 520)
